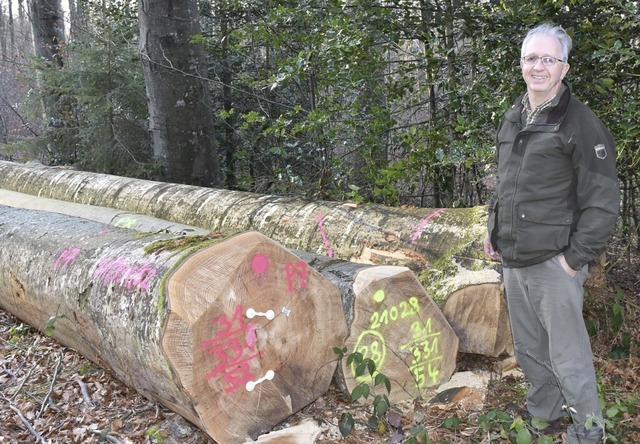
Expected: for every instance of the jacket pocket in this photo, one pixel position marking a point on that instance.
(542, 229)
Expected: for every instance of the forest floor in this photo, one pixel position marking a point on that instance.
(51, 394)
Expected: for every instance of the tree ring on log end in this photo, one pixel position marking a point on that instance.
(250, 331)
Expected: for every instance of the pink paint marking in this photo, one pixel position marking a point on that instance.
(260, 263)
(105, 231)
(323, 233)
(251, 335)
(233, 348)
(123, 274)
(298, 270)
(65, 258)
(424, 222)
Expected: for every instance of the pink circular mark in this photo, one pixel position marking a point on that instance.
(259, 263)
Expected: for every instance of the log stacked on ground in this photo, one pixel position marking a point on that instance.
(392, 307)
(442, 246)
(234, 335)
(110, 216)
(393, 322)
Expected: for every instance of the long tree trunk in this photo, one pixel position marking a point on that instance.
(443, 246)
(234, 334)
(175, 69)
(394, 293)
(47, 22)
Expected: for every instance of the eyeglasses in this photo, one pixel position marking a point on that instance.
(546, 60)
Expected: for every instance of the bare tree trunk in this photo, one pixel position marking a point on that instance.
(3, 130)
(180, 116)
(78, 18)
(234, 334)
(4, 31)
(47, 22)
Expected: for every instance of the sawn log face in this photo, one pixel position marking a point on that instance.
(251, 330)
(99, 290)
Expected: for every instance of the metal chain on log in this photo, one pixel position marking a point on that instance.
(234, 334)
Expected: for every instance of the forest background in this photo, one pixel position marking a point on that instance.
(368, 101)
(362, 100)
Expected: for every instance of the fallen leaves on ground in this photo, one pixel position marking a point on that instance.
(51, 394)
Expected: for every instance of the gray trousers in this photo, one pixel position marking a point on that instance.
(552, 345)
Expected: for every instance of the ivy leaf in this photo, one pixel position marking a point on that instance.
(50, 325)
(346, 424)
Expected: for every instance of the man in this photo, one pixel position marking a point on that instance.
(555, 205)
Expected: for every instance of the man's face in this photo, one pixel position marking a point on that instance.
(543, 82)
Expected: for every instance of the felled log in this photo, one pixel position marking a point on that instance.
(393, 322)
(478, 314)
(442, 246)
(111, 217)
(233, 334)
(361, 287)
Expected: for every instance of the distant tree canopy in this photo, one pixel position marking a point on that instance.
(392, 102)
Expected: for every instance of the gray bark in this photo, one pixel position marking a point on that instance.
(442, 246)
(157, 317)
(47, 22)
(180, 119)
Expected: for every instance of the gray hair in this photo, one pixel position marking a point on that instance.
(551, 30)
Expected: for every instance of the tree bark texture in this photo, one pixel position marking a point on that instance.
(175, 70)
(235, 334)
(112, 217)
(47, 23)
(442, 246)
(394, 291)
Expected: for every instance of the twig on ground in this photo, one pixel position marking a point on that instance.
(24, 381)
(108, 437)
(84, 391)
(10, 373)
(45, 401)
(26, 423)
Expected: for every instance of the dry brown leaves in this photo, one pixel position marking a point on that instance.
(51, 394)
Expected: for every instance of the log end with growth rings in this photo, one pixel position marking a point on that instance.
(249, 332)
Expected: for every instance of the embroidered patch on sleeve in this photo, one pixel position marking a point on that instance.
(601, 151)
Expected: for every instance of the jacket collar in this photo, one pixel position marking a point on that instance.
(555, 115)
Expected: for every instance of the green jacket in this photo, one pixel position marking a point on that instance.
(557, 189)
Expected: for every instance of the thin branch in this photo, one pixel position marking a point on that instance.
(110, 438)
(24, 381)
(84, 391)
(25, 124)
(45, 401)
(26, 423)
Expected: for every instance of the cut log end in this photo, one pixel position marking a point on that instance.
(478, 314)
(402, 331)
(250, 334)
